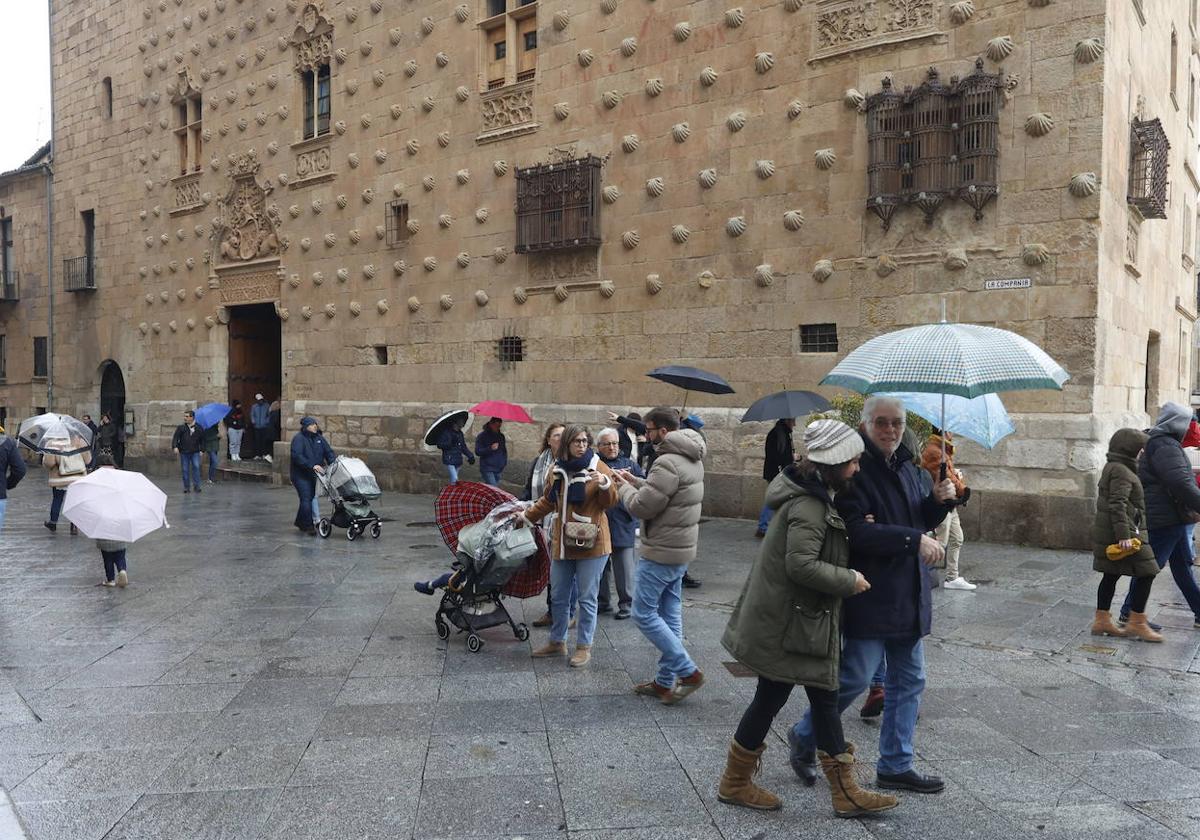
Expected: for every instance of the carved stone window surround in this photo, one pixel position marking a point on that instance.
(846, 26)
(309, 161)
(187, 194)
(507, 112)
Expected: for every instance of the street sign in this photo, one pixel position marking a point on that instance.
(1017, 283)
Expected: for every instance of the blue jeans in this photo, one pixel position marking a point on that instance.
(764, 518)
(316, 508)
(58, 495)
(453, 471)
(880, 673)
(492, 478)
(3, 505)
(306, 489)
(658, 613)
(212, 464)
(903, 686)
(1191, 545)
(565, 575)
(114, 561)
(190, 462)
(1172, 545)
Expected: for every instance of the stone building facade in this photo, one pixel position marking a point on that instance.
(379, 209)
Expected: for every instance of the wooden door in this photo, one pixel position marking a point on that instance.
(254, 354)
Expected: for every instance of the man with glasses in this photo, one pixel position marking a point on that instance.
(888, 516)
(668, 503)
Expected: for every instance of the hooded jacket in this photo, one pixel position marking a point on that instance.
(12, 465)
(1166, 475)
(777, 452)
(787, 623)
(491, 460)
(308, 450)
(454, 446)
(894, 491)
(668, 500)
(1121, 508)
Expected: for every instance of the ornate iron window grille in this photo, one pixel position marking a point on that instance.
(10, 285)
(934, 143)
(558, 206)
(1148, 158)
(79, 274)
(396, 223)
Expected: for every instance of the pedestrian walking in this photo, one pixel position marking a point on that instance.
(949, 533)
(778, 452)
(454, 448)
(492, 449)
(1172, 501)
(235, 428)
(12, 470)
(579, 489)
(1121, 543)
(786, 627)
(887, 515)
(310, 454)
(110, 438)
(212, 447)
(112, 552)
(668, 503)
(535, 486)
(260, 426)
(61, 472)
(187, 442)
(622, 528)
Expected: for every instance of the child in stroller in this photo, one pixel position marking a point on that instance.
(351, 487)
(489, 553)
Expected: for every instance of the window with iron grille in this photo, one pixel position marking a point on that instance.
(40, 365)
(1149, 149)
(3, 363)
(396, 223)
(934, 143)
(818, 338)
(510, 349)
(558, 206)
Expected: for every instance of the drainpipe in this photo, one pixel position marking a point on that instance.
(50, 222)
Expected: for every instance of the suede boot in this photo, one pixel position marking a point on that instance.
(550, 649)
(1102, 625)
(1139, 628)
(737, 782)
(583, 655)
(849, 800)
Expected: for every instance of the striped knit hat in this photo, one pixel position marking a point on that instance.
(831, 442)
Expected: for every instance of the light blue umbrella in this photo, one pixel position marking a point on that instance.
(982, 419)
(211, 414)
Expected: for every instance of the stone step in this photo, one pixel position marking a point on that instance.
(258, 471)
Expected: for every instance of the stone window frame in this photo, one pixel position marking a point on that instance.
(313, 45)
(189, 126)
(818, 338)
(315, 123)
(42, 343)
(106, 97)
(518, 19)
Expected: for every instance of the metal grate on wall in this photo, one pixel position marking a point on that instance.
(1148, 157)
(558, 206)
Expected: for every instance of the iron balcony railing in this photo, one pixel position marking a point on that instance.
(79, 274)
(10, 285)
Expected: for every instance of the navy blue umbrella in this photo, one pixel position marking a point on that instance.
(784, 404)
(691, 379)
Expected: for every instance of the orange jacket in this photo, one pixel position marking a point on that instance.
(931, 462)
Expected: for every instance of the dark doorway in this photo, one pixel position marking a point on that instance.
(112, 403)
(255, 354)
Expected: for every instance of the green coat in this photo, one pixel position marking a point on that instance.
(787, 623)
(1121, 515)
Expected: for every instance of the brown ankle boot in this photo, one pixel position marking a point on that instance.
(849, 800)
(1137, 628)
(737, 782)
(1102, 625)
(550, 649)
(583, 655)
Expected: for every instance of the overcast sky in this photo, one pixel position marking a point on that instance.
(25, 69)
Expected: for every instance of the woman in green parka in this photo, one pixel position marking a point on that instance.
(786, 626)
(1120, 520)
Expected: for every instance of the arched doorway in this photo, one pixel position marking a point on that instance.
(112, 402)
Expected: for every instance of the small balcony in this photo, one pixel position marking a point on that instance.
(10, 286)
(79, 274)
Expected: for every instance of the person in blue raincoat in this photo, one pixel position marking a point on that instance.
(454, 448)
(492, 449)
(311, 453)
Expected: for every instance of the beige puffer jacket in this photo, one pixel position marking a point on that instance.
(668, 500)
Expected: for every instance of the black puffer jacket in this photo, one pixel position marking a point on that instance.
(1166, 474)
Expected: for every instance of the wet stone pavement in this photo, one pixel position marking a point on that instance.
(257, 683)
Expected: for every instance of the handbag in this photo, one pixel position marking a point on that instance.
(518, 544)
(581, 535)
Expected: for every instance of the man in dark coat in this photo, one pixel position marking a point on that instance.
(12, 470)
(1172, 502)
(887, 515)
(492, 449)
(187, 442)
(310, 454)
(777, 454)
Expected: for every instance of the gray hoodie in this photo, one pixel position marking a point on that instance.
(668, 501)
(1174, 419)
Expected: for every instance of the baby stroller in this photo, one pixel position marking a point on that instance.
(489, 554)
(351, 488)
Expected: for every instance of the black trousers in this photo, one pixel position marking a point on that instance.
(263, 440)
(771, 696)
(1139, 592)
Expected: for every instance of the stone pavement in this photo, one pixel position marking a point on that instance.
(253, 683)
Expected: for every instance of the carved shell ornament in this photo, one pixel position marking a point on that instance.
(410, 68)
(481, 298)
(441, 59)
(429, 183)
(1000, 48)
(764, 168)
(793, 220)
(462, 93)
(399, 267)
(520, 295)
(561, 19)
(608, 6)
(708, 77)
(682, 31)
(735, 18)
(654, 284)
(445, 220)
(795, 109)
(585, 57)
(630, 143)
(381, 306)
(1089, 50)
(427, 25)
(735, 226)
(611, 99)
(629, 46)
(956, 259)
(561, 293)
(822, 271)
(463, 259)
(854, 98)
(825, 158)
(1083, 184)
(500, 167)
(562, 110)
(1039, 4)
(355, 308)
(481, 215)
(707, 178)
(763, 62)
(885, 265)
(462, 176)
(1035, 254)
(654, 87)
(414, 303)
(631, 239)
(655, 187)
(793, 5)
(413, 146)
(764, 275)
(736, 121)
(962, 11)
(430, 263)
(681, 131)
(611, 193)
(1039, 125)
(443, 139)
(680, 234)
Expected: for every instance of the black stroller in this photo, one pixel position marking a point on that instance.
(351, 487)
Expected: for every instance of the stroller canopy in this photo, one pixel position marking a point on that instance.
(353, 480)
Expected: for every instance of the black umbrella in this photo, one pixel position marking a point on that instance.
(691, 379)
(784, 404)
(443, 422)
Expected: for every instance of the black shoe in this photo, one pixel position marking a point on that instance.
(197, 489)
(909, 780)
(803, 761)
(622, 614)
(423, 587)
(690, 582)
(50, 526)
(1123, 619)
(607, 608)
(185, 490)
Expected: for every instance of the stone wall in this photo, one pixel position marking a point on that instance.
(23, 201)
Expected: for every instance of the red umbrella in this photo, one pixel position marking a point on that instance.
(503, 410)
(467, 502)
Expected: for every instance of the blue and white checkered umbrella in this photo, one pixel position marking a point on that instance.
(967, 360)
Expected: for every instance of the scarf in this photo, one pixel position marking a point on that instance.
(577, 483)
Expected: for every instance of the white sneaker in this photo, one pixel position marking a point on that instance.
(109, 583)
(122, 579)
(267, 458)
(959, 582)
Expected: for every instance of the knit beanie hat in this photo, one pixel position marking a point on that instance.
(831, 442)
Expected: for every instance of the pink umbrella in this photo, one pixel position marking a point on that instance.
(503, 410)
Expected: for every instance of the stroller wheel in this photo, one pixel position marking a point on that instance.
(522, 632)
(376, 530)
(443, 630)
(324, 528)
(474, 643)
(352, 533)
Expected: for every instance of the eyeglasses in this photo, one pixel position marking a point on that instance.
(650, 428)
(608, 443)
(582, 440)
(884, 422)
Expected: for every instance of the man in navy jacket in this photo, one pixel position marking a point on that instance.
(888, 516)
